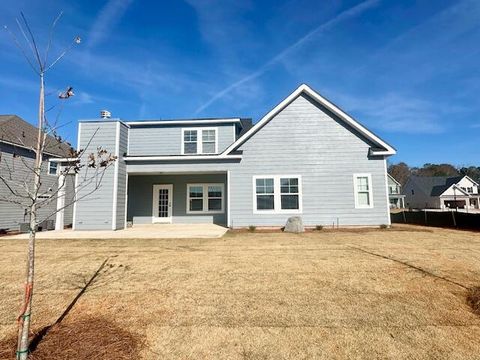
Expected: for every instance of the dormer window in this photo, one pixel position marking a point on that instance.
(199, 141)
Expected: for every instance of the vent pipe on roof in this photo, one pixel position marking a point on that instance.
(105, 114)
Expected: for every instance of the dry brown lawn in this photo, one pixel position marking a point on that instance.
(253, 296)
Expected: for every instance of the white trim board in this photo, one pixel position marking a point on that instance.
(75, 191)
(184, 122)
(181, 157)
(389, 150)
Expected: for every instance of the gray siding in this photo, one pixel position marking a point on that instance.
(307, 140)
(122, 177)
(167, 140)
(94, 208)
(419, 200)
(140, 196)
(11, 215)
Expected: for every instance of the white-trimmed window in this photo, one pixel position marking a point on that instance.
(52, 168)
(363, 191)
(199, 141)
(277, 194)
(190, 142)
(205, 198)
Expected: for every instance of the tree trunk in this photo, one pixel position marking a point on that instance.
(24, 320)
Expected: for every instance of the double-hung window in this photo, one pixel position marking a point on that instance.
(199, 141)
(52, 168)
(363, 191)
(205, 198)
(190, 143)
(277, 194)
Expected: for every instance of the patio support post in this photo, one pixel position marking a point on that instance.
(59, 218)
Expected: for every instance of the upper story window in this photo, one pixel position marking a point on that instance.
(52, 168)
(199, 141)
(277, 194)
(363, 190)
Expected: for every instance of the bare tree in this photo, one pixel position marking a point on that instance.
(29, 192)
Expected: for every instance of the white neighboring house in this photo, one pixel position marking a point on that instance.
(395, 196)
(442, 192)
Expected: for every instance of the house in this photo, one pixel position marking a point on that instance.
(396, 198)
(441, 192)
(305, 157)
(18, 138)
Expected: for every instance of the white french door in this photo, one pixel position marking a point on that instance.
(162, 203)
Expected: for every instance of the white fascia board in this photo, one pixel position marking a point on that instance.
(389, 150)
(183, 122)
(61, 160)
(179, 158)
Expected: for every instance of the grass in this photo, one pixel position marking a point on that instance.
(252, 296)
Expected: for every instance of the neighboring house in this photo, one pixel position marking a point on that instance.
(441, 192)
(306, 157)
(17, 140)
(397, 199)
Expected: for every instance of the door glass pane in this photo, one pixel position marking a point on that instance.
(163, 195)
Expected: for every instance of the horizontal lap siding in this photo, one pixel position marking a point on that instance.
(11, 215)
(140, 196)
(94, 212)
(167, 140)
(122, 177)
(306, 140)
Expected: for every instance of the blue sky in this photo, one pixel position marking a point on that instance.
(408, 70)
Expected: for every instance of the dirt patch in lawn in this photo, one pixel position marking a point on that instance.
(473, 299)
(84, 338)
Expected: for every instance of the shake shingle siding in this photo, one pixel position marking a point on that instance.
(167, 140)
(94, 211)
(305, 140)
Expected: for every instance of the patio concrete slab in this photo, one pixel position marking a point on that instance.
(150, 231)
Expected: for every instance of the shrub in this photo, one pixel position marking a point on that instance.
(383, 226)
(252, 228)
(319, 227)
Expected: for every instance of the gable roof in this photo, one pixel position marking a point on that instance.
(393, 179)
(17, 132)
(435, 185)
(384, 148)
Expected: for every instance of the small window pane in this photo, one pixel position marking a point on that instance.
(363, 199)
(265, 202)
(214, 204)
(289, 186)
(209, 148)
(196, 204)
(289, 202)
(208, 135)
(196, 191)
(362, 183)
(190, 135)
(214, 191)
(190, 148)
(264, 186)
